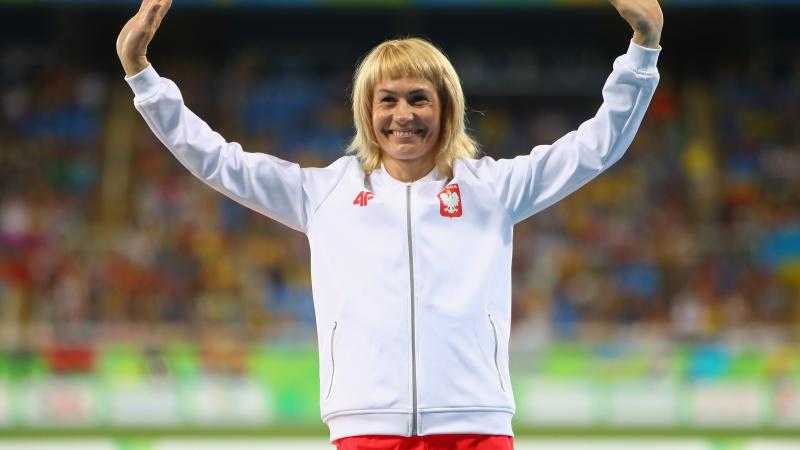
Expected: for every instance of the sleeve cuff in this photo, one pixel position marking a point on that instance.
(145, 83)
(642, 59)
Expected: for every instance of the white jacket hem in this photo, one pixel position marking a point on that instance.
(495, 421)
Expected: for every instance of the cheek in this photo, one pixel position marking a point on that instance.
(434, 121)
(376, 128)
(377, 122)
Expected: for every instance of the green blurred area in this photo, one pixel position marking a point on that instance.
(283, 366)
(286, 377)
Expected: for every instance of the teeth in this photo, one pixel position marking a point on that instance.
(403, 133)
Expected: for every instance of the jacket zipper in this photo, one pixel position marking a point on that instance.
(499, 377)
(413, 338)
(333, 367)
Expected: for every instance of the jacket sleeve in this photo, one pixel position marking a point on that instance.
(530, 183)
(264, 183)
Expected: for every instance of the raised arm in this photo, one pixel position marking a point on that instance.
(271, 186)
(137, 33)
(532, 182)
(646, 19)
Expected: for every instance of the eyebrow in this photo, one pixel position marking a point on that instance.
(415, 91)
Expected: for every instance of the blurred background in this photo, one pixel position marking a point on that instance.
(659, 305)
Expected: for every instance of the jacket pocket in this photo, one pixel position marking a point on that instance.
(333, 366)
(496, 346)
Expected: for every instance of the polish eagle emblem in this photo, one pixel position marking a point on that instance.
(450, 201)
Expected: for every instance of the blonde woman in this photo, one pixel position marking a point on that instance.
(410, 231)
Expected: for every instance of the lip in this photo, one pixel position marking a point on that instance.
(416, 132)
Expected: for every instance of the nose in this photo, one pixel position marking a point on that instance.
(404, 113)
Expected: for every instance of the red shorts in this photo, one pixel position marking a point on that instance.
(430, 442)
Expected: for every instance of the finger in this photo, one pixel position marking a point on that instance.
(165, 4)
(152, 15)
(144, 5)
(157, 12)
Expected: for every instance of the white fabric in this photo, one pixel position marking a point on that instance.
(360, 265)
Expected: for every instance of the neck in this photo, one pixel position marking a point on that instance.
(408, 171)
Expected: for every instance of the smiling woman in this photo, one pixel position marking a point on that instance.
(410, 232)
(409, 85)
(405, 119)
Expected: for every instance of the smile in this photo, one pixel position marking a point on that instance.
(405, 133)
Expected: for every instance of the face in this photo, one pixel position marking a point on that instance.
(405, 118)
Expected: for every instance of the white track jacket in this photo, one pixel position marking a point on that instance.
(411, 281)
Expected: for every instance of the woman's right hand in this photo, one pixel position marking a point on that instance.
(136, 35)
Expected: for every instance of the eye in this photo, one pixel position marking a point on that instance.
(386, 99)
(419, 99)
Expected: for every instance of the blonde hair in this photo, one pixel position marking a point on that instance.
(416, 58)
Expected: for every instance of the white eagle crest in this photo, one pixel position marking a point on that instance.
(450, 201)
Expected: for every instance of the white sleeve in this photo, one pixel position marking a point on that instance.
(264, 183)
(530, 183)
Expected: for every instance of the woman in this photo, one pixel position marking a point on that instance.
(410, 232)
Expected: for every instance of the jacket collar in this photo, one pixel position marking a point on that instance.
(383, 175)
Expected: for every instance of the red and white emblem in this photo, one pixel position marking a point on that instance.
(450, 201)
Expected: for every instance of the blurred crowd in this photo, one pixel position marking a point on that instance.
(694, 236)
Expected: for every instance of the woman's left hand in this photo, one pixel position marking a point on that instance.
(645, 17)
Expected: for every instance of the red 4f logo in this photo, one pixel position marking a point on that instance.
(363, 197)
(450, 201)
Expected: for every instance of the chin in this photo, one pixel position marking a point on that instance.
(406, 152)
(406, 155)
